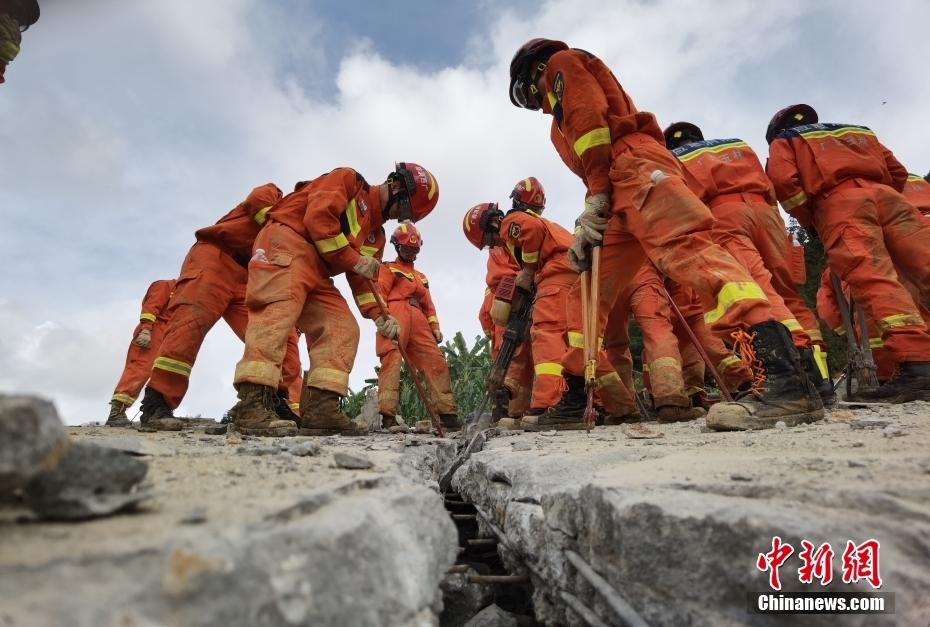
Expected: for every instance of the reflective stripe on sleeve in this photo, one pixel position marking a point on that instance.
(552, 368)
(597, 137)
(173, 365)
(368, 298)
(790, 203)
(331, 244)
(261, 215)
(148, 317)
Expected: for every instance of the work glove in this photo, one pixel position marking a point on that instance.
(367, 267)
(579, 251)
(593, 220)
(10, 38)
(388, 327)
(438, 335)
(144, 338)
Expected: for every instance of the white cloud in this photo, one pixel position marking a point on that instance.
(137, 123)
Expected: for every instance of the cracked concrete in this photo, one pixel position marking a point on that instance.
(676, 523)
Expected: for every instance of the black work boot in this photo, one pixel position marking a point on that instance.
(786, 395)
(450, 422)
(910, 383)
(282, 407)
(256, 412)
(156, 415)
(323, 415)
(823, 386)
(567, 415)
(118, 417)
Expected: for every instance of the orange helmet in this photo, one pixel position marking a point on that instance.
(525, 67)
(407, 235)
(795, 115)
(419, 191)
(529, 194)
(681, 133)
(477, 223)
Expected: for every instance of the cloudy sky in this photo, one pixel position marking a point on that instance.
(127, 125)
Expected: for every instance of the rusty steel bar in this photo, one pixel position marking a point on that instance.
(618, 604)
(458, 568)
(583, 611)
(481, 541)
(496, 579)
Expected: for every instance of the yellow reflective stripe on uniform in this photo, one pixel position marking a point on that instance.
(352, 218)
(487, 291)
(512, 250)
(792, 324)
(900, 320)
(597, 137)
(732, 293)
(433, 320)
(645, 367)
(820, 358)
(328, 375)
(691, 390)
(530, 257)
(409, 275)
(173, 365)
(261, 215)
(552, 368)
(840, 330)
(367, 298)
(576, 339)
(125, 399)
(368, 251)
(814, 334)
(665, 362)
(552, 99)
(911, 178)
(727, 362)
(875, 342)
(712, 150)
(148, 317)
(295, 407)
(790, 203)
(331, 244)
(839, 132)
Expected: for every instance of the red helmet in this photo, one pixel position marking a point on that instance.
(420, 190)
(681, 133)
(529, 194)
(788, 117)
(477, 222)
(524, 68)
(407, 235)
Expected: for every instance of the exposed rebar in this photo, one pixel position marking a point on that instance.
(497, 579)
(621, 606)
(586, 614)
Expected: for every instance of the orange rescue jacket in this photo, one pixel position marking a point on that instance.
(807, 162)
(538, 244)
(340, 214)
(400, 282)
(235, 232)
(590, 112)
(917, 192)
(155, 301)
(716, 168)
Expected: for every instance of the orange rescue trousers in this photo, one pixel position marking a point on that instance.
(138, 367)
(293, 288)
(656, 215)
(211, 286)
(869, 230)
(417, 339)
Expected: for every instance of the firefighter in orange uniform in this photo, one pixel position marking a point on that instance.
(514, 396)
(142, 350)
(211, 285)
(326, 227)
(539, 247)
(637, 206)
(840, 180)
(406, 291)
(727, 176)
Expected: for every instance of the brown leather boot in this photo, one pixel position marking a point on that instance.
(255, 413)
(156, 415)
(322, 415)
(117, 417)
(674, 413)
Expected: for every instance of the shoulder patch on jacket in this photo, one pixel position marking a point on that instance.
(513, 231)
(558, 86)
